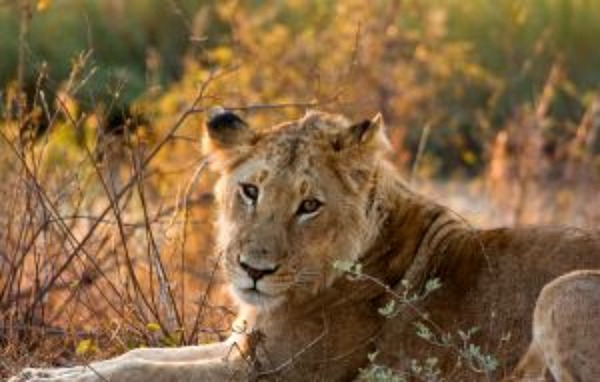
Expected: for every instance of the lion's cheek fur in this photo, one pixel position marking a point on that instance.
(338, 245)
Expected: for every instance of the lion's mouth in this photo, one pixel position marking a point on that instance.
(257, 297)
(254, 291)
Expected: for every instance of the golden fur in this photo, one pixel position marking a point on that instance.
(566, 329)
(316, 324)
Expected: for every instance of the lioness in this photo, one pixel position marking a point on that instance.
(296, 198)
(566, 331)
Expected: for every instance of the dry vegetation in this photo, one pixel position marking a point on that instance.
(105, 228)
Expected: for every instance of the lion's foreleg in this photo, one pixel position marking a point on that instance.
(531, 367)
(137, 370)
(173, 362)
(234, 345)
(143, 371)
(181, 354)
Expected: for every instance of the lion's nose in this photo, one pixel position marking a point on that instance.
(256, 273)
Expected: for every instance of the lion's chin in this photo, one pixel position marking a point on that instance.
(257, 298)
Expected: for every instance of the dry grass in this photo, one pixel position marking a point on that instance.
(93, 259)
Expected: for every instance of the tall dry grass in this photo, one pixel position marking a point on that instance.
(93, 259)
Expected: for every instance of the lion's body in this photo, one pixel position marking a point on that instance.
(491, 281)
(566, 331)
(294, 200)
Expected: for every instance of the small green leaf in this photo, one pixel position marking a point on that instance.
(389, 309)
(432, 285)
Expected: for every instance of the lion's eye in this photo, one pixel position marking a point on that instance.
(249, 192)
(309, 206)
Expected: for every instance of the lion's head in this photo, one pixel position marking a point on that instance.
(292, 199)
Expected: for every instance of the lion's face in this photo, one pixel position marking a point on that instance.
(291, 202)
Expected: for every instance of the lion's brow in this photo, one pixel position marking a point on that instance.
(293, 148)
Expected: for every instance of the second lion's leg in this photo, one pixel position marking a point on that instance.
(531, 367)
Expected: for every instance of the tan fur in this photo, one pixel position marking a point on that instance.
(319, 325)
(566, 331)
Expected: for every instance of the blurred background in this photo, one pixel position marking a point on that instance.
(493, 108)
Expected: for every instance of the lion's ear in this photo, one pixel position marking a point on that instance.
(227, 130)
(228, 136)
(367, 136)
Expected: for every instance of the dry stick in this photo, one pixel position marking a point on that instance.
(36, 261)
(192, 183)
(27, 224)
(162, 275)
(151, 272)
(24, 217)
(204, 303)
(12, 202)
(25, 19)
(10, 264)
(20, 271)
(268, 106)
(11, 298)
(148, 252)
(16, 265)
(47, 329)
(420, 151)
(151, 247)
